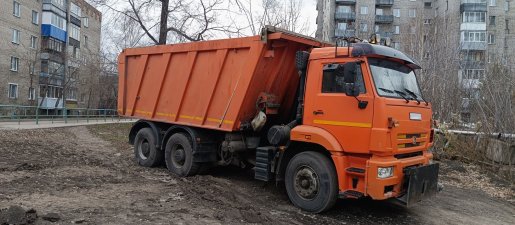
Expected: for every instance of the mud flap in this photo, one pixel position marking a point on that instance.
(422, 183)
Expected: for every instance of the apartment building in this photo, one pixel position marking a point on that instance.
(47, 59)
(468, 36)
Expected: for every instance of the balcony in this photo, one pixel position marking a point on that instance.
(346, 2)
(347, 16)
(470, 64)
(345, 33)
(384, 18)
(467, 45)
(384, 2)
(50, 103)
(473, 6)
(384, 34)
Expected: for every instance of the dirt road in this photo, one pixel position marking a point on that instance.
(87, 175)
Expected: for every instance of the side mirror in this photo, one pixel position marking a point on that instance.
(349, 73)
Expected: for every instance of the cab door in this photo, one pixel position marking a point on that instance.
(329, 107)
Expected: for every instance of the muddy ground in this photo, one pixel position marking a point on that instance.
(87, 175)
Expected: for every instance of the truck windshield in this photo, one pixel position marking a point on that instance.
(393, 79)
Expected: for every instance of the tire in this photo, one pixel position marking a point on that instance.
(311, 182)
(145, 150)
(179, 156)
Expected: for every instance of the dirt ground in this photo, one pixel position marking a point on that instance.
(87, 175)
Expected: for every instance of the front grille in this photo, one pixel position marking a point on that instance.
(414, 137)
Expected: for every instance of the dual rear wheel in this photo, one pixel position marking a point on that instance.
(178, 153)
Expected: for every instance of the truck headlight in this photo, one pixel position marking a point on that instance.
(384, 172)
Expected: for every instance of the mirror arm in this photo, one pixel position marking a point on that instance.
(361, 104)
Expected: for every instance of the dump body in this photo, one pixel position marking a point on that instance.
(210, 84)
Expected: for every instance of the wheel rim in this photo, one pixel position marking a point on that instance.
(306, 183)
(178, 156)
(144, 149)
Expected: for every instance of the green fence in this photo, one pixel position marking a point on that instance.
(19, 114)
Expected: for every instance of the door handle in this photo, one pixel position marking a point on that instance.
(318, 112)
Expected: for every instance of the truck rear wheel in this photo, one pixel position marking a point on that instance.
(179, 156)
(145, 150)
(311, 182)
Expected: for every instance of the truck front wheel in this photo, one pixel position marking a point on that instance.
(145, 150)
(311, 182)
(179, 156)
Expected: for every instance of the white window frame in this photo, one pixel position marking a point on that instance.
(32, 93)
(15, 36)
(363, 27)
(363, 10)
(35, 17)
(15, 63)
(16, 9)
(397, 13)
(412, 13)
(397, 29)
(33, 42)
(85, 21)
(493, 3)
(9, 91)
(491, 39)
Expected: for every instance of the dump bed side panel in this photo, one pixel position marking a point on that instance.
(211, 84)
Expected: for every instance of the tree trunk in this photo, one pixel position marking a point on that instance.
(163, 25)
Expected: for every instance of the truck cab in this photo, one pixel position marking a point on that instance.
(363, 104)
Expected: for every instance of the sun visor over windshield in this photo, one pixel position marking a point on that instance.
(365, 49)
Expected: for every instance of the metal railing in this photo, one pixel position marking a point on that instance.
(19, 114)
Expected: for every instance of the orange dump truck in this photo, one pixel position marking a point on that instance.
(327, 122)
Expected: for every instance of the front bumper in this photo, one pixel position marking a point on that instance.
(414, 178)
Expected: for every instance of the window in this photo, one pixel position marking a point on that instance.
(31, 68)
(427, 21)
(35, 17)
(491, 39)
(32, 93)
(85, 21)
(397, 12)
(16, 36)
(85, 41)
(52, 68)
(492, 20)
(379, 12)
(397, 29)
(426, 55)
(52, 44)
(16, 8)
(334, 83)
(493, 2)
(392, 79)
(474, 17)
(13, 91)
(363, 27)
(340, 9)
(428, 4)
(71, 94)
(506, 6)
(364, 10)
(14, 63)
(74, 32)
(474, 74)
(376, 28)
(50, 91)
(74, 9)
(474, 36)
(412, 13)
(58, 21)
(33, 42)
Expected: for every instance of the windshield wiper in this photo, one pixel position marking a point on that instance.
(413, 94)
(386, 90)
(416, 97)
(402, 94)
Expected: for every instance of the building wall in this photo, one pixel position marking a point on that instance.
(42, 76)
(27, 55)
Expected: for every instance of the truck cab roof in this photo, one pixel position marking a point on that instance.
(364, 49)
